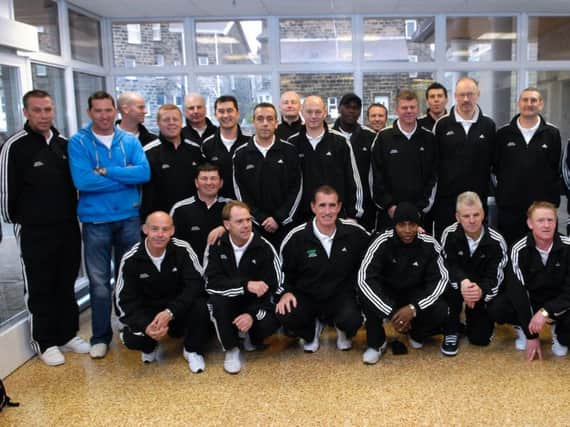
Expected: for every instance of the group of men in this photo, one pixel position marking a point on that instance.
(243, 235)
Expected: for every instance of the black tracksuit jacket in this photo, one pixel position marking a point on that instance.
(286, 130)
(526, 173)
(485, 267)
(190, 134)
(308, 270)
(144, 135)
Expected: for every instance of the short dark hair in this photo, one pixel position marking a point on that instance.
(436, 85)
(376, 104)
(34, 93)
(265, 105)
(208, 167)
(226, 98)
(406, 95)
(326, 190)
(100, 94)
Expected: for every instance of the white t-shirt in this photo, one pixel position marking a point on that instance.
(325, 240)
(228, 143)
(466, 123)
(528, 133)
(107, 140)
(314, 141)
(240, 250)
(407, 134)
(156, 260)
(263, 150)
(473, 244)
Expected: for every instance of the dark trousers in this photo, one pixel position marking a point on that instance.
(223, 311)
(194, 326)
(426, 323)
(479, 325)
(368, 219)
(340, 310)
(512, 224)
(51, 255)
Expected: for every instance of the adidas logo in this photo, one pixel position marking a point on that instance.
(394, 151)
(511, 144)
(280, 161)
(144, 276)
(174, 270)
(328, 153)
(449, 133)
(544, 146)
(253, 261)
(481, 136)
(415, 264)
(301, 155)
(250, 166)
(364, 148)
(422, 149)
(460, 253)
(165, 166)
(216, 158)
(38, 164)
(195, 228)
(223, 256)
(344, 249)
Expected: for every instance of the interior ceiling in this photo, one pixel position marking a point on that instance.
(233, 8)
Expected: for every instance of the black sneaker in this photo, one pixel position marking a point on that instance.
(450, 345)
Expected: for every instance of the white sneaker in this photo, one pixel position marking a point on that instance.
(195, 361)
(371, 355)
(150, 357)
(232, 362)
(98, 351)
(342, 341)
(313, 346)
(52, 356)
(76, 345)
(247, 344)
(415, 344)
(520, 341)
(557, 348)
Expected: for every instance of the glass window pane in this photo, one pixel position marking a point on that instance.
(156, 90)
(85, 85)
(43, 16)
(10, 102)
(548, 38)
(329, 86)
(399, 39)
(555, 89)
(231, 42)
(249, 90)
(315, 40)
(85, 38)
(498, 98)
(160, 44)
(51, 79)
(382, 88)
(480, 39)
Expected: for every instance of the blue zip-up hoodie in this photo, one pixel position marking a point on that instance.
(115, 196)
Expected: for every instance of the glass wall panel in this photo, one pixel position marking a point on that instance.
(315, 40)
(329, 86)
(42, 14)
(157, 44)
(249, 90)
(231, 42)
(399, 39)
(549, 38)
(84, 85)
(481, 39)
(156, 90)
(51, 79)
(85, 38)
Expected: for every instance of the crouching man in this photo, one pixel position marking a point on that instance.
(160, 291)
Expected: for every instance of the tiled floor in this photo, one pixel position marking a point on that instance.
(283, 386)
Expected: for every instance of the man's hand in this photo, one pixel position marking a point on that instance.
(471, 292)
(391, 211)
(537, 323)
(257, 287)
(243, 322)
(286, 303)
(270, 225)
(215, 234)
(402, 320)
(158, 328)
(533, 349)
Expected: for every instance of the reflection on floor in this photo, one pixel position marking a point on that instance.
(283, 386)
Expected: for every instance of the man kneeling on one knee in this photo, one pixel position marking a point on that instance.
(160, 291)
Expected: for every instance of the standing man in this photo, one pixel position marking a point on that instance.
(377, 116)
(107, 166)
(538, 285)
(465, 139)
(133, 111)
(267, 176)
(242, 273)
(475, 256)
(320, 262)
(198, 126)
(37, 196)
(219, 148)
(361, 139)
(291, 119)
(436, 98)
(326, 159)
(402, 278)
(404, 163)
(526, 164)
(173, 162)
(160, 291)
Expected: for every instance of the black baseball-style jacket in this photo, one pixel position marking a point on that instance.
(427, 121)
(144, 135)
(142, 290)
(404, 170)
(393, 273)
(35, 180)
(190, 134)
(531, 285)
(286, 130)
(173, 171)
(485, 267)
(270, 185)
(308, 270)
(527, 172)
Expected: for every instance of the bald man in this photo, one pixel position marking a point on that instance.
(291, 119)
(198, 126)
(160, 291)
(133, 111)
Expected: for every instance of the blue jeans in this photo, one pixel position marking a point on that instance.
(102, 241)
